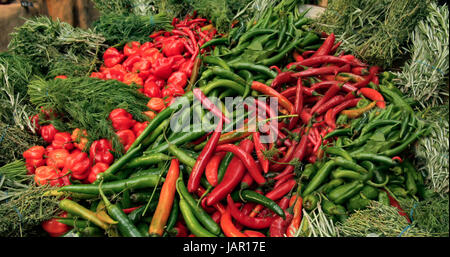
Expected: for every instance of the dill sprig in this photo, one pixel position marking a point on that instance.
(381, 220)
(85, 103)
(41, 41)
(374, 30)
(119, 29)
(425, 77)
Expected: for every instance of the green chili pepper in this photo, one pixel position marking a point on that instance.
(404, 124)
(339, 132)
(125, 226)
(398, 191)
(136, 215)
(339, 152)
(383, 198)
(331, 185)
(78, 210)
(262, 69)
(223, 166)
(173, 217)
(199, 212)
(114, 186)
(342, 193)
(369, 192)
(377, 123)
(77, 223)
(182, 156)
(147, 160)
(339, 161)
(215, 41)
(331, 208)
(161, 127)
(404, 145)
(251, 34)
(308, 171)
(192, 223)
(214, 60)
(310, 202)
(282, 31)
(118, 164)
(357, 203)
(252, 196)
(144, 197)
(154, 171)
(143, 228)
(282, 53)
(375, 158)
(319, 177)
(410, 177)
(346, 174)
(395, 98)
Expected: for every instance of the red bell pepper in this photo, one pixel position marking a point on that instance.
(100, 151)
(62, 140)
(162, 68)
(112, 56)
(126, 137)
(98, 168)
(57, 158)
(48, 132)
(78, 163)
(121, 119)
(173, 47)
(131, 48)
(176, 60)
(114, 73)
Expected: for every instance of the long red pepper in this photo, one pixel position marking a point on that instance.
(251, 222)
(259, 148)
(208, 104)
(318, 60)
(297, 218)
(326, 46)
(279, 225)
(330, 117)
(332, 91)
(247, 181)
(374, 95)
(233, 175)
(322, 71)
(299, 154)
(372, 72)
(330, 104)
(218, 206)
(203, 159)
(282, 78)
(298, 105)
(286, 158)
(283, 101)
(212, 168)
(228, 228)
(246, 159)
(283, 179)
(394, 203)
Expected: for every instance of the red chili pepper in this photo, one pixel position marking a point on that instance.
(283, 179)
(326, 47)
(260, 87)
(98, 168)
(375, 80)
(247, 181)
(398, 158)
(259, 148)
(246, 158)
(297, 56)
(279, 225)
(274, 67)
(335, 47)
(48, 133)
(374, 95)
(131, 48)
(372, 72)
(307, 54)
(305, 116)
(299, 154)
(322, 71)
(78, 163)
(330, 116)
(228, 228)
(100, 151)
(233, 175)
(253, 233)
(360, 71)
(330, 104)
(297, 218)
(204, 158)
(319, 60)
(332, 91)
(394, 203)
(212, 168)
(121, 119)
(286, 158)
(130, 210)
(126, 137)
(251, 222)
(298, 107)
(284, 202)
(209, 105)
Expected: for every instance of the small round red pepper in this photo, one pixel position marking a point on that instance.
(98, 168)
(131, 48)
(62, 140)
(100, 151)
(126, 137)
(78, 163)
(57, 158)
(48, 132)
(112, 56)
(139, 127)
(121, 119)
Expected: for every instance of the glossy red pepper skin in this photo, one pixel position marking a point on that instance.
(259, 148)
(98, 168)
(126, 137)
(322, 71)
(286, 158)
(246, 158)
(330, 116)
(35, 122)
(374, 95)
(34, 158)
(162, 68)
(48, 132)
(282, 78)
(151, 89)
(100, 151)
(79, 164)
(178, 78)
(112, 56)
(203, 159)
(233, 175)
(209, 105)
(173, 47)
(251, 222)
(131, 48)
(139, 127)
(332, 91)
(212, 167)
(121, 119)
(47, 175)
(326, 47)
(372, 73)
(279, 226)
(299, 154)
(283, 101)
(62, 140)
(57, 158)
(298, 104)
(55, 228)
(330, 104)
(131, 78)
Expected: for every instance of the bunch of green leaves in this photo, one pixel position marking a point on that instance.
(373, 30)
(431, 215)
(112, 6)
(432, 151)
(42, 41)
(119, 29)
(425, 76)
(22, 214)
(15, 73)
(380, 220)
(85, 103)
(14, 141)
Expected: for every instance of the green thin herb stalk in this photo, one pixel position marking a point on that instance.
(316, 224)
(425, 76)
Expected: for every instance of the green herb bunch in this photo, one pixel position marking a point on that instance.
(85, 103)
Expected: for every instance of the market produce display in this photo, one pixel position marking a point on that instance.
(111, 146)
